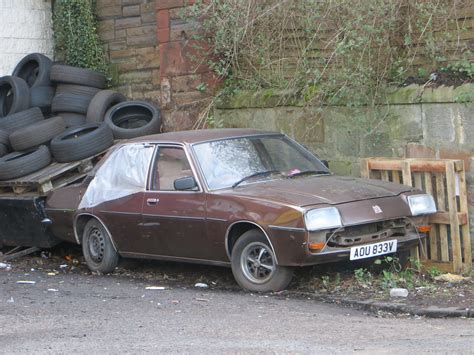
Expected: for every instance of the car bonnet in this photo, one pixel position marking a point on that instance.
(313, 190)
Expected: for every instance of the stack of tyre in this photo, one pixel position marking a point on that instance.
(53, 111)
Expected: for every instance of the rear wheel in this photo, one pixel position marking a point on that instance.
(254, 264)
(97, 247)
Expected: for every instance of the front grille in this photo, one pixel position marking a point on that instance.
(365, 233)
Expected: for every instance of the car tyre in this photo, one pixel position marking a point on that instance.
(14, 95)
(100, 103)
(18, 120)
(98, 249)
(81, 142)
(37, 133)
(4, 137)
(76, 90)
(34, 69)
(70, 103)
(254, 264)
(42, 97)
(18, 164)
(3, 149)
(72, 119)
(131, 119)
(78, 76)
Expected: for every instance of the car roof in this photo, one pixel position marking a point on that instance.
(201, 135)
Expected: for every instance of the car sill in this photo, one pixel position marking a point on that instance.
(174, 258)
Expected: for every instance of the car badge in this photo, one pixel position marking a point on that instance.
(377, 209)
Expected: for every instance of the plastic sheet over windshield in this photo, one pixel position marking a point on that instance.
(123, 173)
(226, 162)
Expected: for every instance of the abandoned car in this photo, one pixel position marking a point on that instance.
(256, 201)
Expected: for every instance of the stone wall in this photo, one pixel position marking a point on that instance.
(151, 51)
(186, 81)
(128, 30)
(418, 122)
(25, 27)
(153, 55)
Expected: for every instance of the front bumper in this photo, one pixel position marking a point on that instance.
(292, 249)
(332, 254)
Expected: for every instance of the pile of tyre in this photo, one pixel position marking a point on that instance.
(50, 111)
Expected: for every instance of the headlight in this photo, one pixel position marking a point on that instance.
(421, 204)
(322, 218)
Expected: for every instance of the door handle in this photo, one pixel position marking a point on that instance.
(152, 201)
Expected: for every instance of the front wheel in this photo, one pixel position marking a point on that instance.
(254, 265)
(97, 248)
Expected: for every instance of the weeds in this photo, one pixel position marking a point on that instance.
(386, 273)
(363, 277)
(463, 67)
(434, 271)
(376, 278)
(336, 52)
(326, 281)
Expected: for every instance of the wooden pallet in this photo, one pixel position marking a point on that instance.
(51, 177)
(449, 242)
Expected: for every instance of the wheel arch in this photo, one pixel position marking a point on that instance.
(80, 222)
(235, 231)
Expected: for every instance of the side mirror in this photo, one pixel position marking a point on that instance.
(325, 163)
(185, 183)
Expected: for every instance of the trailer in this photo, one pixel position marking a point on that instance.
(23, 219)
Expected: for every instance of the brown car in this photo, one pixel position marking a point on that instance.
(253, 200)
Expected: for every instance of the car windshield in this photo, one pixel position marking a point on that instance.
(231, 162)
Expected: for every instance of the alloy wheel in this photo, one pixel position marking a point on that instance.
(257, 262)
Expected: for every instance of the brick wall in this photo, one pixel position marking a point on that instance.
(25, 27)
(150, 49)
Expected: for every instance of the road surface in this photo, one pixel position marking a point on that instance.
(76, 313)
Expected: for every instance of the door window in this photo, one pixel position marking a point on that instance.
(171, 164)
(124, 173)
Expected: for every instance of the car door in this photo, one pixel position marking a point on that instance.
(116, 195)
(173, 221)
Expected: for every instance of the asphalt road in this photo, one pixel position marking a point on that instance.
(117, 314)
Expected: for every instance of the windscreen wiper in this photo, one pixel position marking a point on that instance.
(310, 172)
(260, 173)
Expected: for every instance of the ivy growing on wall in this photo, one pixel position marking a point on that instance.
(76, 39)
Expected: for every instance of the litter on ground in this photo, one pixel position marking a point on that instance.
(451, 278)
(201, 285)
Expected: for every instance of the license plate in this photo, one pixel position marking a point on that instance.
(371, 250)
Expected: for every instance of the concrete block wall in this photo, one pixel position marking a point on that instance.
(25, 27)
